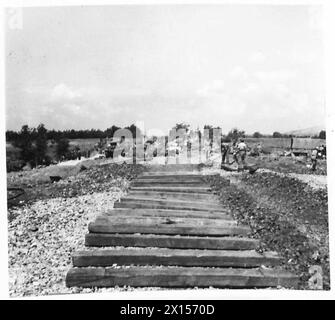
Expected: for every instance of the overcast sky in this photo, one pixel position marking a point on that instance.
(258, 68)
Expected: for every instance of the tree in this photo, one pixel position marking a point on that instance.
(11, 136)
(257, 135)
(41, 144)
(182, 125)
(24, 142)
(235, 133)
(277, 134)
(322, 134)
(62, 147)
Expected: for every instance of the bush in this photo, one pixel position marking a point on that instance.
(14, 165)
(257, 135)
(277, 134)
(62, 148)
(322, 134)
(235, 133)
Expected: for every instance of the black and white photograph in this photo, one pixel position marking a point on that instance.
(166, 147)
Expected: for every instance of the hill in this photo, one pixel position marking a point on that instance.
(311, 131)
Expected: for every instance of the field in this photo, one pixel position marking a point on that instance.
(13, 153)
(285, 143)
(84, 144)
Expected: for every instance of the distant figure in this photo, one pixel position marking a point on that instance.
(322, 151)
(166, 149)
(189, 148)
(207, 148)
(178, 149)
(291, 144)
(134, 153)
(314, 157)
(200, 148)
(259, 149)
(224, 152)
(211, 147)
(242, 154)
(235, 151)
(145, 151)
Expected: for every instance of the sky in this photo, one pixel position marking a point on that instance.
(257, 68)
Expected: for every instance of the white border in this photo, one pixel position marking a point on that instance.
(329, 12)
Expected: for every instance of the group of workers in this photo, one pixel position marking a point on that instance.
(318, 153)
(239, 151)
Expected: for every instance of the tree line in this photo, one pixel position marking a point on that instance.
(33, 143)
(33, 133)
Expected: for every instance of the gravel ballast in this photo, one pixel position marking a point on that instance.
(288, 216)
(50, 224)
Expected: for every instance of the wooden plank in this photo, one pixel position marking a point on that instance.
(173, 177)
(177, 175)
(153, 205)
(174, 257)
(174, 195)
(165, 204)
(212, 205)
(173, 168)
(170, 182)
(176, 229)
(165, 241)
(175, 185)
(213, 202)
(192, 189)
(225, 215)
(179, 277)
(181, 221)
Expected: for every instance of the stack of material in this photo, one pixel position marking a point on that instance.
(173, 232)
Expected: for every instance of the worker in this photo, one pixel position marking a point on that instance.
(234, 151)
(291, 143)
(189, 148)
(259, 149)
(224, 152)
(314, 156)
(207, 148)
(166, 149)
(178, 149)
(241, 154)
(322, 151)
